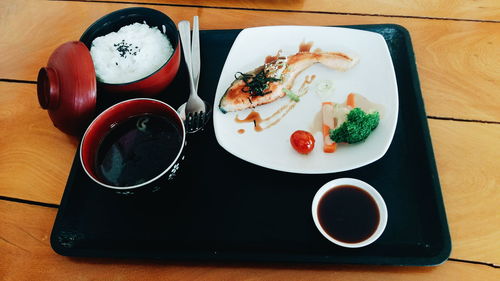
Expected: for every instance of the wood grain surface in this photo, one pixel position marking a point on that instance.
(35, 157)
(457, 9)
(466, 154)
(26, 255)
(457, 61)
(459, 68)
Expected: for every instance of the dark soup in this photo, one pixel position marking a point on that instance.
(137, 150)
(348, 214)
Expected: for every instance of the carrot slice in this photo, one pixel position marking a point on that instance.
(329, 146)
(350, 100)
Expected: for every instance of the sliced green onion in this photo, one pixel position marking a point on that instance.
(291, 95)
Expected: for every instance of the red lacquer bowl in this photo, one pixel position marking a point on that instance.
(67, 86)
(104, 122)
(156, 82)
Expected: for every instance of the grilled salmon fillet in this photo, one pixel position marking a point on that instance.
(284, 69)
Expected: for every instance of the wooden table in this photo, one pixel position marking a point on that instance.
(457, 48)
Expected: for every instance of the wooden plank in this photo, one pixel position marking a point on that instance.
(26, 255)
(457, 62)
(467, 155)
(457, 9)
(35, 159)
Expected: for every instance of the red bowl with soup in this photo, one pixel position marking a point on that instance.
(134, 145)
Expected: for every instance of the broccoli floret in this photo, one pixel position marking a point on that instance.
(356, 128)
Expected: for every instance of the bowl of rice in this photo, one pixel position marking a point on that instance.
(135, 51)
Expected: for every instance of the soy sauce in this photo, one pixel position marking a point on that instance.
(348, 214)
(137, 150)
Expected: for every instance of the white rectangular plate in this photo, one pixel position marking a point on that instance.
(373, 77)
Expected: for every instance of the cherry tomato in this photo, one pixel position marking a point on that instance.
(302, 141)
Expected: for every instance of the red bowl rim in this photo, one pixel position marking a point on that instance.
(90, 127)
(135, 9)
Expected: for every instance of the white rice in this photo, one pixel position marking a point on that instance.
(132, 53)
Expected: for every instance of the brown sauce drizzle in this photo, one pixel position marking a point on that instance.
(308, 80)
(241, 131)
(286, 108)
(270, 59)
(254, 117)
(305, 46)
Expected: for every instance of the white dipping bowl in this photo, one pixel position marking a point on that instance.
(364, 186)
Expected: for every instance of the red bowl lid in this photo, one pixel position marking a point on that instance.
(66, 87)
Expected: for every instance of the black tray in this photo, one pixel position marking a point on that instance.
(224, 208)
